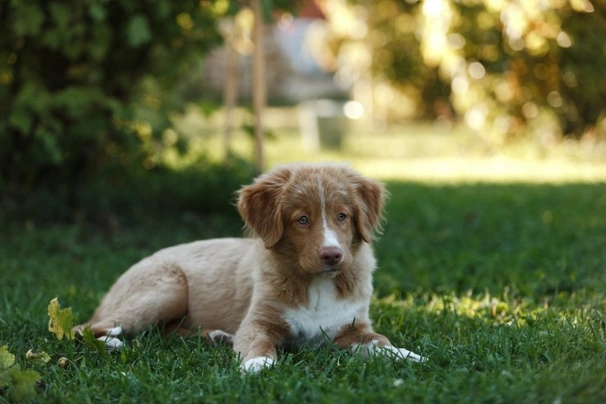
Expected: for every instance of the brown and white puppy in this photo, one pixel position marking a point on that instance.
(305, 279)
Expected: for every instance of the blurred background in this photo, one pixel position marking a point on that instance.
(112, 108)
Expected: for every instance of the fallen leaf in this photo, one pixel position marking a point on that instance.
(7, 359)
(60, 320)
(63, 362)
(39, 358)
(24, 383)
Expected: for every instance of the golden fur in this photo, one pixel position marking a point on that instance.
(305, 277)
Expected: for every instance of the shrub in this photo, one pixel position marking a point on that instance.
(86, 93)
(73, 75)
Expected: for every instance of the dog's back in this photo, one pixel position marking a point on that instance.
(184, 286)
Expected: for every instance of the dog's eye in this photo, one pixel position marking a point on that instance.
(303, 220)
(341, 217)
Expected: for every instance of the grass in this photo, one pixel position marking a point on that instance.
(502, 284)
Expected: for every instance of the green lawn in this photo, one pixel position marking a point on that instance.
(501, 284)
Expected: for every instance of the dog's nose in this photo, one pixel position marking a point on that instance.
(331, 255)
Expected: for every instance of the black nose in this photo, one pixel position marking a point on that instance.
(331, 256)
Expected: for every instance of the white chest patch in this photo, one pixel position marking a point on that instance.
(323, 317)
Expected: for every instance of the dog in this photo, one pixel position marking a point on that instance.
(304, 277)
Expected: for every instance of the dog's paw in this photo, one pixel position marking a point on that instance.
(255, 365)
(401, 353)
(114, 332)
(221, 337)
(111, 342)
(373, 349)
(110, 339)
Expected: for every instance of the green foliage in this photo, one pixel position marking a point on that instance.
(23, 383)
(73, 73)
(542, 69)
(96, 345)
(87, 95)
(506, 67)
(87, 90)
(20, 384)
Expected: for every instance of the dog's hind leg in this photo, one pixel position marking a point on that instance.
(149, 293)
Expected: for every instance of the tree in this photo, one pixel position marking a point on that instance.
(506, 67)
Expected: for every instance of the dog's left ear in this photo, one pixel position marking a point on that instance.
(260, 205)
(369, 207)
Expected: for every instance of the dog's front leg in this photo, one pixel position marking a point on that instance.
(256, 345)
(361, 339)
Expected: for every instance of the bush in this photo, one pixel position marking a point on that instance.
(71, 82)
(135, 196)
(87, 90)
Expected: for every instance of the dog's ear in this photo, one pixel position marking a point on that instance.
(260, 205)
(370, 198)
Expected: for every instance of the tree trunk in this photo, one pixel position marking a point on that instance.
(230, 94)
(259, 86)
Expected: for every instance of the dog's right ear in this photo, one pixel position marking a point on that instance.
(260, 205)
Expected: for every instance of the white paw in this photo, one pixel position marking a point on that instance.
(401, 353)
(255, 365)
(372, 349)
(114, 332)
(111, 342)
(221, 337)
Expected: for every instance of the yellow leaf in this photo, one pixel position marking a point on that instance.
(7, 359)
(37, 357)
(60, 320)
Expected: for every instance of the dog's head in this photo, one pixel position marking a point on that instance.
(315, 215)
